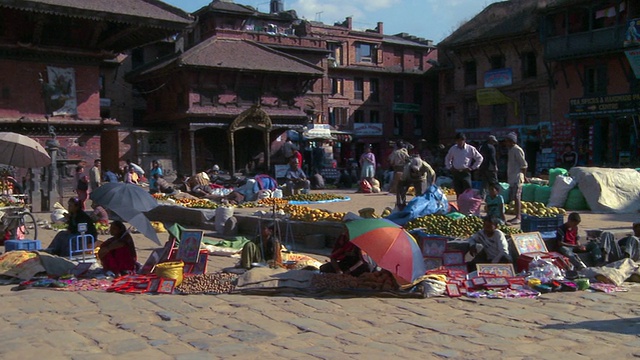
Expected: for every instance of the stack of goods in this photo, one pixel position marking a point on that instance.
(305, 213)
(437, 224)
(436, 252)
(215, 283)
(456, 280)
(378, 281)
(535, 208)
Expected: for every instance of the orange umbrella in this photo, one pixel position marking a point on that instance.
(390, 246)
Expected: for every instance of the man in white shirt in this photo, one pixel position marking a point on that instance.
(516, 170)
(462, 159)
(495, 248)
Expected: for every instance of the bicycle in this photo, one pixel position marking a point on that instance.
(19, 221)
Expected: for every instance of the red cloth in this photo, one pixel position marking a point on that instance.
(298, 155)
(121, 259)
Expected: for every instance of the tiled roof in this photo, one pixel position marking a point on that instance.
(231, 7)
(397, 40)
(498, 20)
(100, 9)
(235, 54)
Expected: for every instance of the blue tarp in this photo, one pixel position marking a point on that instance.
(433, 201)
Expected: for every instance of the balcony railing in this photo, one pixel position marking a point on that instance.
(586, 43)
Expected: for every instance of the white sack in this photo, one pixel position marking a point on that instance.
(560, 190)
(609, 190)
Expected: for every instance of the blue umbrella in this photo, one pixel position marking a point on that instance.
(129, 202)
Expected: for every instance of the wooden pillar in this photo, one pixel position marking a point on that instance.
(192, 134)
(233, 152)
(180, 156)
(267, 150)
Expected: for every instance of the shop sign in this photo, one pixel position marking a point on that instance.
(367, 129)
(634, 60)
(498, 77)
(405, 108)
(605, 105)
(318, 133)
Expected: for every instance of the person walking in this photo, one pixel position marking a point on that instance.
(95, 175)
(516, 171)
(488, 170)
(397, 160)
(462, 159)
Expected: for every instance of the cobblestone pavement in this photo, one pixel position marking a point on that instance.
(52, 324)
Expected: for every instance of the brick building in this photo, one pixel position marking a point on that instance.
(362, 84)
(494, 80)
(556, 72)
(596, 92)
(52, 54)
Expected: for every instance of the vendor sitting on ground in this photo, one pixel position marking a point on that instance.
(99, 214)
(118, 253)
(60, 243)
(264, 248)
(296, 178)
(568, 243)
(162, 185)
(495, 248)
(627, 247)
(346, 258)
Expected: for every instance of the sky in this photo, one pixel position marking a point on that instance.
(429, 19)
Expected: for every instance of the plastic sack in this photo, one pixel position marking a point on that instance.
(554, 173)
(264, 194)
(455, 215)
(543, 194)
(560, 191)
(223, 213)
(433, 201)
(528, 192)
(576, 200)
(58, 216)
(433, 288)
(365, 186)
(544, 270)
(170, 270)
(505, 192)
(470, 202)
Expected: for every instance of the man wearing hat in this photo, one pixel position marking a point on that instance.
(417, 173)
(488, 170)
(398, 159)
(516, 170)
(462, 159)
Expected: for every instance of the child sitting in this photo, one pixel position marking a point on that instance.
(568, 245)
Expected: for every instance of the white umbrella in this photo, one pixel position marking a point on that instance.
(21, 151)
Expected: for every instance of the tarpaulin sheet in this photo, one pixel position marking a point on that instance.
(609, 190)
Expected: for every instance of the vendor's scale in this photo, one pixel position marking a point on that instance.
(288, 240)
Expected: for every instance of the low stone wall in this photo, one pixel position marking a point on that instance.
(248, 224)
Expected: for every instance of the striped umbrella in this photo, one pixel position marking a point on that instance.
(390, 246)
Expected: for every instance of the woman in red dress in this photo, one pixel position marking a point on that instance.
(118, 253)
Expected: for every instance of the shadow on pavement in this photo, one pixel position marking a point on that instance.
(621, 326)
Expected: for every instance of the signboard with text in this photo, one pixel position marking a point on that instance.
(405, 108)
(367, 129)
(605, 105)
(498, 77)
